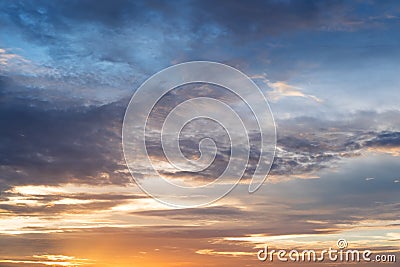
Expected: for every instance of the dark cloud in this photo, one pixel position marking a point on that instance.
(45, 144)
(50, 145)
(61, 203)
(104, 48)
(307, 144)
(385, 139)
(255, 16)
(209, 213)
(44, 199)
(59, 209)
(260, 18)
(52, 17)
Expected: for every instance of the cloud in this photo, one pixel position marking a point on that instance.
(385, 142)
(49, 260)
(47, 145)
(224, 253)
(263, 18)
(281, 89)
(12, 63)
(44, 200)
(51, 145)
(208, 213)
(64, 42)
(7, 58)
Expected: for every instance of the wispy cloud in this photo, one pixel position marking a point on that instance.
(281, 89)
(51, 260)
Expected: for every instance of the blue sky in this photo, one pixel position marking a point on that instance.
(345, 53)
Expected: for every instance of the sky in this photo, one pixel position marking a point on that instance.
(68, 69)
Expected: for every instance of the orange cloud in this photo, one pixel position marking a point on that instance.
(282, 89)
(392, 150)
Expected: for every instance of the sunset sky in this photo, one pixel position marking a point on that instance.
(329, 69)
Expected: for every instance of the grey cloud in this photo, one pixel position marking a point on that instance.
(209, 213)
(47, 198)
(259, 18)
(44, 144)
(389, 139)
(307, 144)
(59, 209)
(45, 204)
